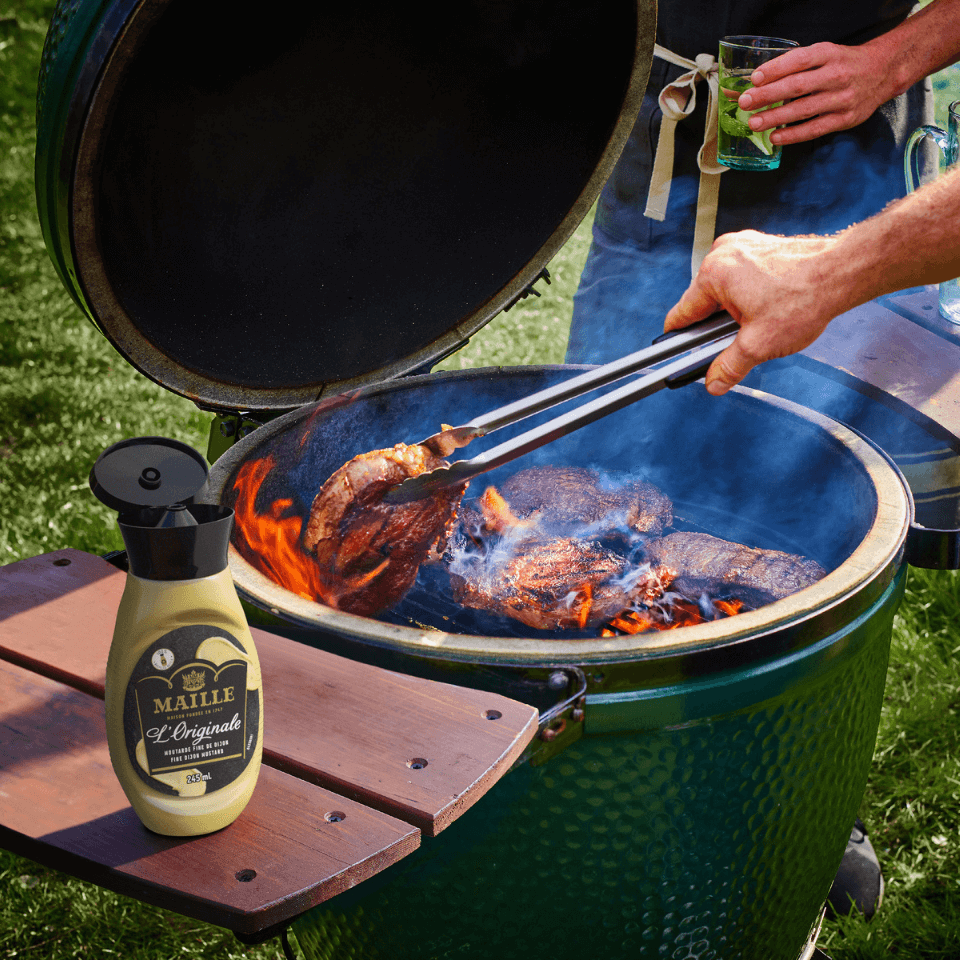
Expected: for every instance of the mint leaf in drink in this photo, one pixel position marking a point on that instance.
(732, 126)
(734, 83)
(761, 140)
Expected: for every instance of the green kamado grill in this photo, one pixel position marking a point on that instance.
(290, 219)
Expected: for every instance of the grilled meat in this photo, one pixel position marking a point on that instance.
(537, 564)
(368, 552)
(557, 583)
(565, 497)
(707, 564)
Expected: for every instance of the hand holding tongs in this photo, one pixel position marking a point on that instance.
(704, 341)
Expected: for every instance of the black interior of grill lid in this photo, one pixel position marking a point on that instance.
(319, 193)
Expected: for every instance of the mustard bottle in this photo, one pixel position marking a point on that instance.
(184, 703)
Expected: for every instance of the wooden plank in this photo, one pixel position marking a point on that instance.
(348, 726)
(895, 355)
(420, 750)
(295, 844)
(57, 613)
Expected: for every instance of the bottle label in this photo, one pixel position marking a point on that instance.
(190, 720)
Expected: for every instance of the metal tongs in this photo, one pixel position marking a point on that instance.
(700, 343)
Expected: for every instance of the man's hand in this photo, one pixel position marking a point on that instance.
(824, 88)
(827, 87)
(772, 286)
(783, 291)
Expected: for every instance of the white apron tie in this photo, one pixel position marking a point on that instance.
(678, 100)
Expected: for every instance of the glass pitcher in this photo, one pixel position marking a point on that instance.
(947, 142)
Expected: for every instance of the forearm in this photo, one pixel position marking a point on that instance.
(913, 241)
(783, 291)
(924, 43)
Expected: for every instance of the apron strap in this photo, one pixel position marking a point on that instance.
(678, 100)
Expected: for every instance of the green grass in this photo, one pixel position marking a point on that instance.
(65, 396)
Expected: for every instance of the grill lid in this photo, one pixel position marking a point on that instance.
(260, 211)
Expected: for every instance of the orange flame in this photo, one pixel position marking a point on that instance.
(583, 604)
(680, 613)
(271, 541)
(497, 515)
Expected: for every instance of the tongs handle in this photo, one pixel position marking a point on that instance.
(710, 338)
(665, 346)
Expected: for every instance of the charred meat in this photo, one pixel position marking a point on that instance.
(368, 552)
(549, 548)
(706, 564)
(560, 498)
(558, 583)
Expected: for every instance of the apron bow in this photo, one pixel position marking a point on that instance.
(677, 101)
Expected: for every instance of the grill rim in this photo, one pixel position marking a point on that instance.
(797, 621)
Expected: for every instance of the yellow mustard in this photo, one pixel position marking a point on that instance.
(184, 703)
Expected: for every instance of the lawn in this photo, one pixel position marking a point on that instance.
(65, 396)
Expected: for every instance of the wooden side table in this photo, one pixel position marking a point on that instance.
(358, 764)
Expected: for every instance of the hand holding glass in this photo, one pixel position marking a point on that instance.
(739, 147)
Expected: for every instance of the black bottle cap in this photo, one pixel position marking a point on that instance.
(147, 480)
(147, 472)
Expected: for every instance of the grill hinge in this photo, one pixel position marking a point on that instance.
(229, 426)
(561, 724)
(530, 289)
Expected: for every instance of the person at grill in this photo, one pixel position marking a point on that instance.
(853, 92)
(784, 291)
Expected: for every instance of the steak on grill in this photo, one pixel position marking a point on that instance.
(368, 552)
(708, 564)
(557, 583)
(565, 497)
(549, 554)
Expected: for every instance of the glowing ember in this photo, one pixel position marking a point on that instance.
(669, 616)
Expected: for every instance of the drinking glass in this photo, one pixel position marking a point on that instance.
(739, 147)
(947, 140)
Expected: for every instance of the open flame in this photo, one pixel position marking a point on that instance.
(270, 541)
(679, 613)
(497, 515)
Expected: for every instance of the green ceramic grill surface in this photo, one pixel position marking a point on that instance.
(715, 838)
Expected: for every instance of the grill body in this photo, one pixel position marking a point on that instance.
(715, 835)
(701, 805)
